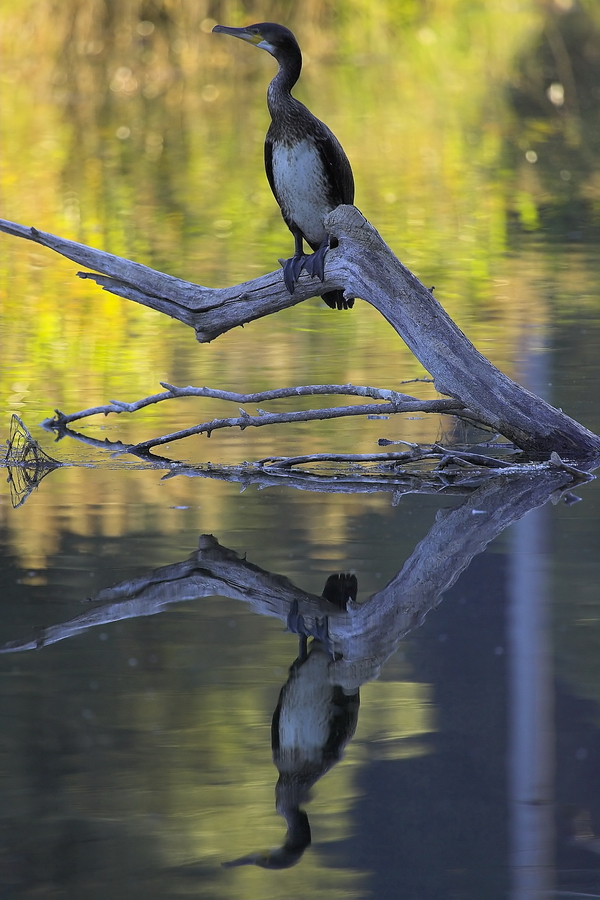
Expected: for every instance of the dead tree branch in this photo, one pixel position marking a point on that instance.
(173, 392)
(396, 403)
(363, 266)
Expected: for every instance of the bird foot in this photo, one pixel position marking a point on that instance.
(314, 264)
(291, 270)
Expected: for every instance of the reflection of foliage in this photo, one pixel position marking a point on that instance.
(557, 148)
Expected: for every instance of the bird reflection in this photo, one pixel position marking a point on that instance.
(312, 723)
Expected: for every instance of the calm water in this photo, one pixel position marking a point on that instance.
(142, 659)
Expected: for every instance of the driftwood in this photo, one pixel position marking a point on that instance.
(368, 633)
(364, 266)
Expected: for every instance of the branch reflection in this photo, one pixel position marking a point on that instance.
(318, 706)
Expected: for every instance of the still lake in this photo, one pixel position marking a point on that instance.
(142, 659)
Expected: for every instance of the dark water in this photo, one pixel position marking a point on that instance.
(143, 637)
(136, 754)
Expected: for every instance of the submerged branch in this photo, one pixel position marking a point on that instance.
(409, 471)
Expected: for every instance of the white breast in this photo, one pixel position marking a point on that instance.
(300, 186)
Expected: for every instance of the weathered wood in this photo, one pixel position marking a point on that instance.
(364, 266)
(458, 369)
(210, 311)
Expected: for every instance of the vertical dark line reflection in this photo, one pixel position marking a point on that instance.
(531, 741)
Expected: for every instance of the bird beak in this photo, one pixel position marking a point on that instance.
(249, 35)
(243, 33)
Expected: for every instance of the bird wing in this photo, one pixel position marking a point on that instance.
(269, 163)
(337, 167)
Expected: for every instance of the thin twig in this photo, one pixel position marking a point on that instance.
(264, 418)
(456, 457)
(172, 392)
(393, 402)
(286, 462)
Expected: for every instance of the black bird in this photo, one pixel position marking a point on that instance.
(312, 724)
(306, 166)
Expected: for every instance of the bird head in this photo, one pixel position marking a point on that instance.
(275, 39)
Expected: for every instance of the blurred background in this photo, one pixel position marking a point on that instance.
(473, 129)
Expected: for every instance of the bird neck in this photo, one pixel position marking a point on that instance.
(279, 92)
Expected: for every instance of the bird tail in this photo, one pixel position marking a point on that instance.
(339, 589)
(335, 300)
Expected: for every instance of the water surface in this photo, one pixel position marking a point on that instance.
(135, 753)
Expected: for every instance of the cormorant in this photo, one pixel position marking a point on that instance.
(306, 166)
(312, 723)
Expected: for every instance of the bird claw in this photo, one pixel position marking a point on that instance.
(291, 271)
(314, 264)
